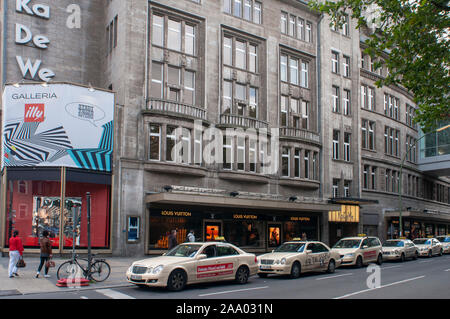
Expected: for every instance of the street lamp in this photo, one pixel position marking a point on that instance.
(401, 173)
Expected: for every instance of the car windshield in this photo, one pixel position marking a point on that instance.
(421, 241)
(394, 243)
(291, 247)
(347, 243)
(444, 239)
(184, 251)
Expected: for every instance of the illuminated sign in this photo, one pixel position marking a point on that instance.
(175, 213)
(300, 219)
(347, 214)
(244, 216)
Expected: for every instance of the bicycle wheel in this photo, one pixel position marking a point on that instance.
(100, 271)
(70, 270)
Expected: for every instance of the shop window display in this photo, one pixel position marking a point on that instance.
(160, 228)
(301, 227)
(244, 233)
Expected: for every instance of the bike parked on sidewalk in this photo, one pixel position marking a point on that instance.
(99, 270)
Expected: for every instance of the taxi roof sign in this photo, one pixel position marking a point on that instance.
(362, 235)
(402, 237)
(220, 238)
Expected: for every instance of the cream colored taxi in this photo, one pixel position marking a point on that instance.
(399, 249)
(295, 257)
(445, 241)
(359, 251)
(428, 247)
(190, 263)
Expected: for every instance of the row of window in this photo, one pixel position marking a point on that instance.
(336, 188)
(344, 28)
(336, 100)
(305, 163)
(337, 148)
(335, 64)
(294, 70)
(296, 27)
(249, 10)
(294, 113)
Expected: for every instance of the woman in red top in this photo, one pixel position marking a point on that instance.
(15, 251)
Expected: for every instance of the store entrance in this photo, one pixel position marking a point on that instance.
(341, 230)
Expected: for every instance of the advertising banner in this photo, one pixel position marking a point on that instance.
(57, 125)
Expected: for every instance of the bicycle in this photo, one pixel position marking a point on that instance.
(99, 271)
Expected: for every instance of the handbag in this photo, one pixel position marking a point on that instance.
(50, 263)
(21, 263)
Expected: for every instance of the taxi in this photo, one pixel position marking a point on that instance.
(295, 257)
(190, 263)
(445, 241)
(359, 251)
(399, 249)
(429, 247)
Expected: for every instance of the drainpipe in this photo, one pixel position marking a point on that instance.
(319, 105)
(5, 35)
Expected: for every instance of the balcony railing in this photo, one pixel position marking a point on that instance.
(238, 120)
(174, 107)
(299, 133)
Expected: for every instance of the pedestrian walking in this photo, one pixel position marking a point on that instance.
(15, 253)
(172, 239)
(191, 236)
(46, 254)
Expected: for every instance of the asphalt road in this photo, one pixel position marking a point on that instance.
(421, 279)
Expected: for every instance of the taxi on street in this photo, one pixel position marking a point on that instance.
(399, 249)
(445, 241)
(429, 247)
(359, 251)
(295, 257)
(190, 263)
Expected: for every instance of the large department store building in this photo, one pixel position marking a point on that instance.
(252, 120)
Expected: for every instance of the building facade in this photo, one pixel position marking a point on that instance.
(252, 120)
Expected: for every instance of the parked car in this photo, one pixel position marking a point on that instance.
(295, 257)
(359, 251)
(190, 263)
(445, 241)
(429, 247)
(399, 249)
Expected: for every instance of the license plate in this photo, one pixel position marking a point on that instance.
(264, 267)
(136, 277)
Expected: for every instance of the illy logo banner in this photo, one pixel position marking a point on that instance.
(34, 113)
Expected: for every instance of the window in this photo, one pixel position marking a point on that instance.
(307, 164)
(170, 144)
(241, 153)
(292, 25)
(174, 35)
(227, 6)
(252, 155)
(253, 102)
(284, 111)
(346, 99)
(336, 144)
(374, 178)
(347, 188)
(293, 71)
(367, 97)
(241, 55)
(315, 166)
(253, 59)
(133, 228)
(157, 80)
(226, 251)
(237, 8)
(245, 57)
(300, 29)
(227, 51)
(304, 75)
(289, 70)
(189, 87)
(155, 142)
(335, 98)
(371, 135)
(283, 22)
(185, 151)
(345, 26)
(198, 147)
(368, 134)
(335, 62)
(189, 40)
(366, 177)
(283, 68)
(391, 106)
(347, 147)
(297, 161)
(227, 97)
(286, 162)
(305, 115)
(257, 13)
(249, 10)
(111, 34)
(308, 34)
(346, 64)
(227, 152)
(391, 140)
(336, 187)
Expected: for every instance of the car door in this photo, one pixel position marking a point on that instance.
(206, 269)
(309, 257)
(411, 249)
(436, 247)
(323, 255)
(227, 261)
(366, 251)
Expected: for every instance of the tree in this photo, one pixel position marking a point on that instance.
(413, 37)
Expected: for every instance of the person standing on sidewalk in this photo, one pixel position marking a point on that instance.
(15, 252)
(173, 239)
(46, 253)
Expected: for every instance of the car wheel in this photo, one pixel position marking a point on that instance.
(359, 262)
(402, 258)
(177, 280)
(295, 270)
(331, 267)
(430, 254)
(441, 253)
(242, 275)
(416, 255)
(379, 260)
(262, 275)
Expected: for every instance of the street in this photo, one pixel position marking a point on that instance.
(425, 278)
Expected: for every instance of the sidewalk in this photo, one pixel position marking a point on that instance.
(26, 283)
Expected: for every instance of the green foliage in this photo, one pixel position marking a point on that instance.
(413, 38)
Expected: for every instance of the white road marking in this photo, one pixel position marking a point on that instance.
(84, 297)
(113, 294)
(425, 261)
(447, 270)
(384, 286)
(230, 291)
(390, 267)
(329, 277)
